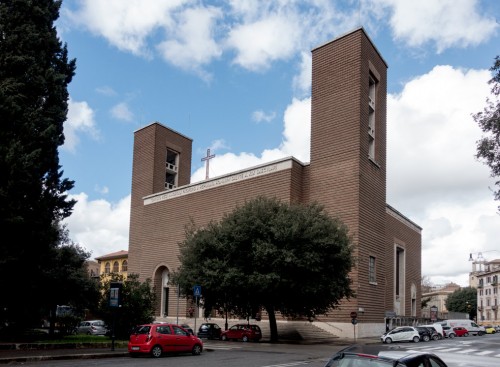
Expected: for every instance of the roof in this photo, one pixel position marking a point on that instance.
(113, 255)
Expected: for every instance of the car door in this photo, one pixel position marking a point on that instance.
(233, 332)
(181, 339)
(395, 334)
(164, 337)
(405, 334)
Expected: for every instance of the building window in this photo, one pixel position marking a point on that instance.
(372, 278)
(124, 265)
(171, 169)
(371, 116)
(107, 268)
(116, 267)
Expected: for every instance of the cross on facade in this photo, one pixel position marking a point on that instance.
(207, 158)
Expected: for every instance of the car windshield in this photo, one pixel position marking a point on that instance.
(359, 360)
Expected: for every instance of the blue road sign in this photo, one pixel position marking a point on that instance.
(197, 290)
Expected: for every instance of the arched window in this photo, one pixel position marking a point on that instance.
(116, 267)
(124, 265)
(107, 268)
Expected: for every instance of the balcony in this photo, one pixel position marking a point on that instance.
(494, 283)
(494, 308)
(480, 285)
(479, 308)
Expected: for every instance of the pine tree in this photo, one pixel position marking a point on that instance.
(34, 75)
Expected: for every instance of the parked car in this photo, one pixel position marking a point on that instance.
(209, 330)
(490, 329)
(401, 334)
(92, 327)
(448, 332)
(471, 326)
(188, 328)
(156, 339)
(460, 331)
(243, 332)
(434, 333)
(364, 355)
(425, 334)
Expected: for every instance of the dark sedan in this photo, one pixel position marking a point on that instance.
(380, 356)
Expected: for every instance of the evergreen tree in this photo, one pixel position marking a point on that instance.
(488, 147)
(463, 300)
(267, 254)
(34, 75)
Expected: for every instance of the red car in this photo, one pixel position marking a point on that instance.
(461, 331)
(243, 332)
(156, 339)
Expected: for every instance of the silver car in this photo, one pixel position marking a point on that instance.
(92, 327)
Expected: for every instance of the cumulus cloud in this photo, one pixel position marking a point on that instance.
(433, 177)
(125, 24)
(121, 111)
(446, 23)
(80, 119)
(192, 44)
(99, 226)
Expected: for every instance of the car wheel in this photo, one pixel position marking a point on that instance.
(481, 333)
(426, 338)
(466, 334)
(245, 338)
(435, 337)
(224, 337)
(388, 340)
(156, 351)
(196, 350)
(416, 339)
(451, 336)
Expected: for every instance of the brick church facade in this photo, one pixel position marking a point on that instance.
(346, 174)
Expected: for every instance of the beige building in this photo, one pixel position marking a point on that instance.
(346, 174)
(487, 293)
(115, 262)
(438, 296)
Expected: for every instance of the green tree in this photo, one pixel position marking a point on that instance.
(290, 258)
(68, 280)
(463, 300)
(137, 304)
(488, 147)
(34, 75)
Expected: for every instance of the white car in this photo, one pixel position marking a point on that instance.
(401, 334)
(92, 327)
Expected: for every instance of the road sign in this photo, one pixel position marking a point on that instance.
(197, 290)
(354, 314)
(354, 321)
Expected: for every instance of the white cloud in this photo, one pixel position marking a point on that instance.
(302, 81)
(446, 23)
(80, 119)
(260, 116)
(106, 91)
(125, 24)
(266, 40)
(121, 111)
(99, 226)
(433, 177)
(193, 45)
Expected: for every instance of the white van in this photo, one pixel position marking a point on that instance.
(470, 325)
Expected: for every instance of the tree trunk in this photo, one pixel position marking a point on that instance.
(272, 323)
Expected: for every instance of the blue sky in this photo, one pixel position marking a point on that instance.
(235, 77)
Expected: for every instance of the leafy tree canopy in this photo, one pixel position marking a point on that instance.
(488, 147)
(463, 300)
(290, 258)
(137, 304)
(34, 75)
